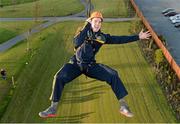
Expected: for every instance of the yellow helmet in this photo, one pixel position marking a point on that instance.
(96, 14)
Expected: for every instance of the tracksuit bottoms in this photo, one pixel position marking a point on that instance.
(97, 71)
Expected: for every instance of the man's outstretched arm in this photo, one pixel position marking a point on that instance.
(126, 39)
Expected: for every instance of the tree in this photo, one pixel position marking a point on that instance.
(159, 57)
(36, 10)
(89, 8)
(13, 4)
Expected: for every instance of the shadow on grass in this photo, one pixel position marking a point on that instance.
(73, 118)
(90, 89)
(129, 65)
(81, 99)
(87, 82)
(85, 91)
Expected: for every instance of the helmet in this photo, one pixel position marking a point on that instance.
(96, 14)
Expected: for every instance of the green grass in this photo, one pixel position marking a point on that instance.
(3, 87)
(14, 59)
(85, 100)
(9, 30)
(6, 35)
(111, 8)
(42, 8)
(13, 2)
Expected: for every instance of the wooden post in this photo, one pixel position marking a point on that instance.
(13, 81)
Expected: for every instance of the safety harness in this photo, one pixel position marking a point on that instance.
(85, 53)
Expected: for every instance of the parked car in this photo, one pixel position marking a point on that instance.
(175, 17)
(175, 21)
(171, 13)
(167, 10)
(177, 25)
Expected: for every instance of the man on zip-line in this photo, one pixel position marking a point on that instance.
(87, 43)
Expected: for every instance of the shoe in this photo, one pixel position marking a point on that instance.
(126, 111)
(49, 112)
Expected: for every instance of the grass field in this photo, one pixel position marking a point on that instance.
(14, 60)
(42, 8)
(111, 8)
(11, 61)
(13, 2)
(85, 100)
(9, 30)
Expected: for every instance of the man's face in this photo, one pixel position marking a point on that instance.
(96, 24)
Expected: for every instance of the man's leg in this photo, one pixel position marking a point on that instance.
(105, 73)
(66, 74)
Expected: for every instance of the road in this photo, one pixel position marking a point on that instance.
(152, 11)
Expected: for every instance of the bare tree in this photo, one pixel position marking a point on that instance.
(36, 10)
(13, 4)
(89, 8)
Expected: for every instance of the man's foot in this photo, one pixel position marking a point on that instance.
(126, 111)
(49, 112)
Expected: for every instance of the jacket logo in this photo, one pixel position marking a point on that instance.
(98, 37)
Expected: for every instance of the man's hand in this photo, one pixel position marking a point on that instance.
(144, 35)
